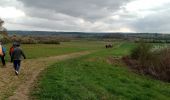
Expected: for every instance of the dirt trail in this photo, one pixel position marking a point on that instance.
(17, 87)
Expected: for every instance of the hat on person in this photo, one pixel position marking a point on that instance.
(16, 44)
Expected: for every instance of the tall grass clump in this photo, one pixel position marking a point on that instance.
(151, 62)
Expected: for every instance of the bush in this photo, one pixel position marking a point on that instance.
(163, 69)
(146, 61)
(49, 41)
(28, 40)
(5, 39)
(15, 38)
(34, 39)
(141, 51)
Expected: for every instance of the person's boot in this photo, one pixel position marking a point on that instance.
(16, 72)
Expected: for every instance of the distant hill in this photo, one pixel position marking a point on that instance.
(116, 35)
(47, 33)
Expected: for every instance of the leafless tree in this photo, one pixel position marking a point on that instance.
(2, 29)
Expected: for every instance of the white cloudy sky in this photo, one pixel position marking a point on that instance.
(87, 15)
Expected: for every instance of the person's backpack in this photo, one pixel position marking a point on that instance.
(11, 50)
(1, 51)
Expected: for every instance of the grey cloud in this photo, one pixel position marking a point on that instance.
(68, 14)
(41, 23)
(11, 3)
(87, 9)
(158, 22)
(87, 15)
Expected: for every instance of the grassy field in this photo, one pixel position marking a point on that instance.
(38, 58)
(91, 77)
(46, 50)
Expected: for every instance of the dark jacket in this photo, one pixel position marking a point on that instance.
(17, 54)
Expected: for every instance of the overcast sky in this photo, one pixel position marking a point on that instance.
(87, 15)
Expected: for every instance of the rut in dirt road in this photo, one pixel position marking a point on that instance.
(17, 88)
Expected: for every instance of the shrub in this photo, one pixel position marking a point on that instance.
(141, 51)
(28, 40)
(151, 62)
(34, 39)
(164, 68)
(5, 39)
(49, 41)
(15, 38)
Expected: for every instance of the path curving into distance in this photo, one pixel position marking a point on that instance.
(18, 87)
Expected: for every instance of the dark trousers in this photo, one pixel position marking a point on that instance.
(3, 60)
(11, 57)
(17, 64)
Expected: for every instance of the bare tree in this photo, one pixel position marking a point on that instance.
(1, 23)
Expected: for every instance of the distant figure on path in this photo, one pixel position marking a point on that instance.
(2, 53)
(17, 57)
(109, 46)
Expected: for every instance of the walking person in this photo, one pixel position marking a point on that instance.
(17, 57)
(2, 53)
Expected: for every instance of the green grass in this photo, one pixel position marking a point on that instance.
(92, 78)
(46, 50)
